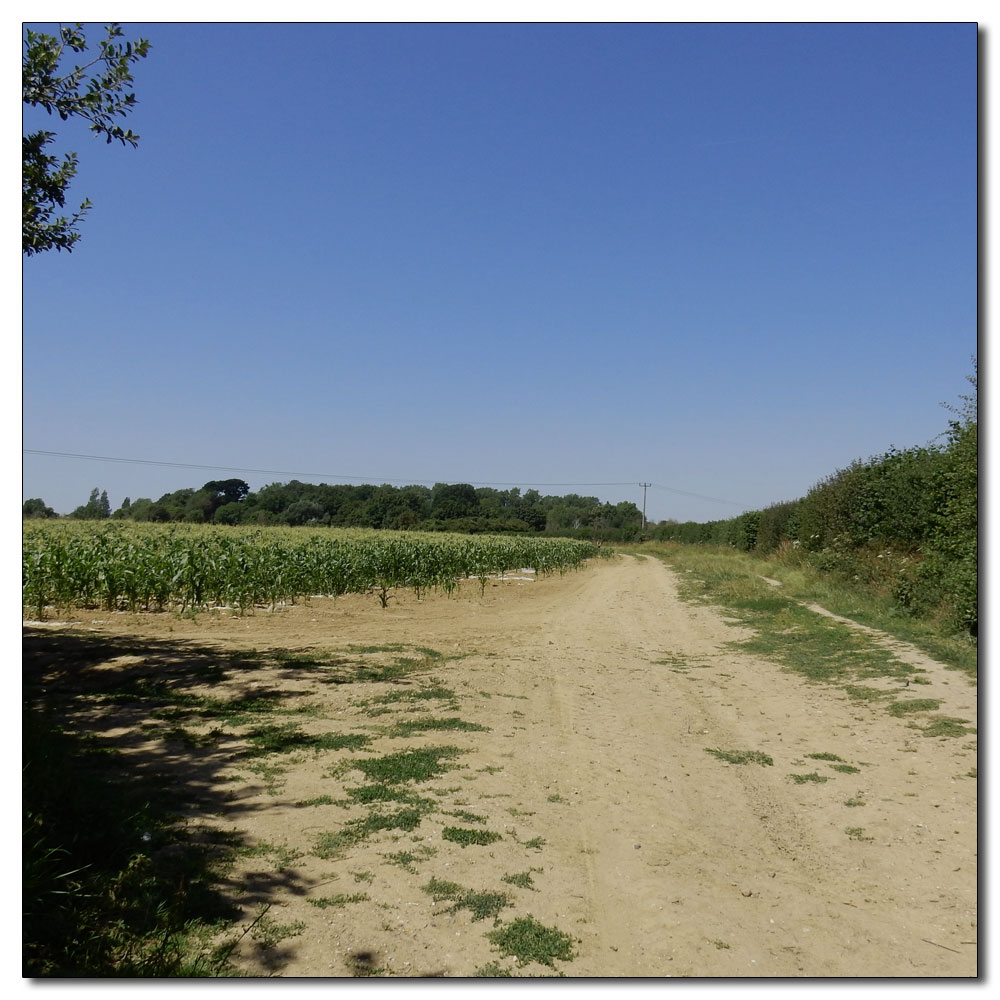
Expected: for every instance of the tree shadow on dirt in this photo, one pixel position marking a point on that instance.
(124, 794)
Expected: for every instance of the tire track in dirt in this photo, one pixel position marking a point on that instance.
(602, 691)
(691, 866)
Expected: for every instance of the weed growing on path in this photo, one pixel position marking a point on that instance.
(742, 756)
(464, 836)
(527, 940)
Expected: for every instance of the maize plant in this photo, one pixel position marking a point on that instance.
(127, 566)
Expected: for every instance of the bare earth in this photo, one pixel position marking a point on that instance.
(657, 857)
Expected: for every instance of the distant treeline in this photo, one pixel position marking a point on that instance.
(905, 522)
(456, 507)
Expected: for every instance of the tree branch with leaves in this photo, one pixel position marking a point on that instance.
(99, 92)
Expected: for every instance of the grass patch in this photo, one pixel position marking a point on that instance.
(527, 940)
(369, 794)
(426, 725)
(464, 836)
(330, 845)
(408, 765)
(823, 756)
(282, 855)
(901, 708)
(320, 800)
(480, 904)
(493, 970)
(862, 693)
(742, 756)
(522, 880)
(407, 860)
(269, 933)
(947, 726)
(341, 899)
(469, 817)
(286, 738)
(732, 579)
(845, 768)
(803, 779)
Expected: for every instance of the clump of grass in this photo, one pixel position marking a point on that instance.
(408, 765)
(856, 833)
(720, 944)
(480, 904)
(382, 792)
(493, 970)
(329, 845)
(268, 933)
(465, 837)
(862, 693)
(527, 940)
(320, 800)
(289, 737)
(742, 756)
(854, 803)
(801, 779)
(282, 855)
(341, 899)
(845, 768)
(901, 708)
(469, 817)
(522, 880)
(823, 756)
(407, 859)
(434, 692)
(427, 724)
(947, 726)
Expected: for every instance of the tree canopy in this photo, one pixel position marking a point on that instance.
(98, 92)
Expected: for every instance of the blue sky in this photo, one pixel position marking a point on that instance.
(726, 259)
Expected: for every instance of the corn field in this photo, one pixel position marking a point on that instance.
(152, 567)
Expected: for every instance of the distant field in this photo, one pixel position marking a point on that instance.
(151, 567)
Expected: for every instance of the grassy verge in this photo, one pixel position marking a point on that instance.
(734, 579)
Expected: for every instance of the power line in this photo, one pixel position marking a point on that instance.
(700, 496)
(364, 479)
(279, 472)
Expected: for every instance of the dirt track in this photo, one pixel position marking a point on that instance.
(658, 857)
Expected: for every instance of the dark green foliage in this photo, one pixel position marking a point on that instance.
(36, 508)
(529, 941)
(96, 508)
(110, 897)
(464, 836)
(456, 507)
(99, 98)
(407, 765)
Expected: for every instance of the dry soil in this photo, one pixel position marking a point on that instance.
(602, 693)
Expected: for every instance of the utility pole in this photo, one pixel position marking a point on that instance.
(644, 487)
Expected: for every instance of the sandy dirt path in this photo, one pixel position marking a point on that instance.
(603, 693)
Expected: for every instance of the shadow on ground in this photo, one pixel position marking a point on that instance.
(125, 854)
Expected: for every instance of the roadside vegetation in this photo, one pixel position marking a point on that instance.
(902, 526)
